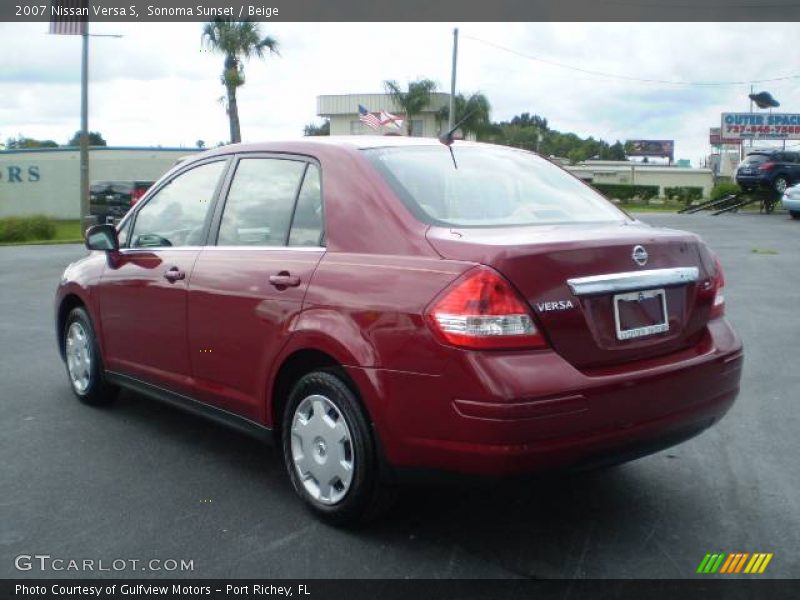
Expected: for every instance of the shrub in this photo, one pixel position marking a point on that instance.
(684, 193)
(23, 229)
(724, 188)
(41, 228)
(626, 193)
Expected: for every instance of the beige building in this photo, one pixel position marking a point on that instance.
(636, 173)
(47, 180)
(342, 111)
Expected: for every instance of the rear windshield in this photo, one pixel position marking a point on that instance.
(492, 186)
(756, 159)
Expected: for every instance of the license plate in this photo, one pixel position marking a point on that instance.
(638, 314)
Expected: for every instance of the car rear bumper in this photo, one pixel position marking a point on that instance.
(512, 413)
(791, 203)
(752, 181)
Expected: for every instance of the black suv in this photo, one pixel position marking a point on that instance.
(110, 200)
(772, 169)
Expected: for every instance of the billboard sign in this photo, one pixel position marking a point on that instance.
(665, 148)
(761, 126)
(715, 138)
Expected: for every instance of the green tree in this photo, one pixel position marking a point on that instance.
(617, 151)
(95, 139)
(313, 129)
(21, 142)
(412, 101)
(237, 41)
(475, 111)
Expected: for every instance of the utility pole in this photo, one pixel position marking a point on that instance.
(84, 144)
(451, 117)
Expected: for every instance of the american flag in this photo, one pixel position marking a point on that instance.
(65, 17)
(368, 118)
(390, 120)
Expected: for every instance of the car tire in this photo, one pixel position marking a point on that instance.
(795, 214)
(83, 360)
(324, 421)
(779, 184)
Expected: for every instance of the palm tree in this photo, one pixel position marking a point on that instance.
(413, 101)
(237, 41)
(475, 112)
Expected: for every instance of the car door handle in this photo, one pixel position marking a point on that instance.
(174, 274)
(284, 280)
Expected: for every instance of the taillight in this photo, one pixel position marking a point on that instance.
(482, 311)
(767, 166)
(136, 195)
(718, 306)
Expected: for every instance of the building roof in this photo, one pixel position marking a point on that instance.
(347, 104)
(96, 148)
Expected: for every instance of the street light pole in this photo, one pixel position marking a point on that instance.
(84, 143)
(451, 117)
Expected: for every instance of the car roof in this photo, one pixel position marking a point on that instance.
(357, 142)
(767, 152)
(323, 143)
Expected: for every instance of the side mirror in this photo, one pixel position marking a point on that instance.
(102, 237)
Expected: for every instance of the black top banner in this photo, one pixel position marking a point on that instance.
(408, 10)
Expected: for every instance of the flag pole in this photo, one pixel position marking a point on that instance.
(451, 118)
(84, 143)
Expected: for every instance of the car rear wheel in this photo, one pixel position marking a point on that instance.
(83, 361)
(780, 184)
(329, 451)
(795, 214)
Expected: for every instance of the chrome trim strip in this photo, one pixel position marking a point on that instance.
(632, 280)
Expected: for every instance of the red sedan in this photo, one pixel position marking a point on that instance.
(387, 306)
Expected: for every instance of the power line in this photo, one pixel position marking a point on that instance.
(626, 77)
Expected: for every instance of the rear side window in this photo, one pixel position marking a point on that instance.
(307, 221)
(756, 159)
(492, 187)
(260, 204)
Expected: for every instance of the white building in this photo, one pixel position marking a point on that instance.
(637, 173)
(342, 111)
(47, 180)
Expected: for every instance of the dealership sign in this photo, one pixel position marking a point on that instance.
(715, 138)
(15, 174)
(761, 126)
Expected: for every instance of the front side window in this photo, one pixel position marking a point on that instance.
(122, 233)
(492, 186)
(258, 211)
(176, 214)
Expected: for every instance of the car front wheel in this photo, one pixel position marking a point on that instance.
(795, 214)
(83, 362)
(329, 451)
(780, 184)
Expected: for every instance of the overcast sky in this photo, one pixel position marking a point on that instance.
(155, 86)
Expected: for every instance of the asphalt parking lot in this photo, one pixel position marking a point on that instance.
(141, 480)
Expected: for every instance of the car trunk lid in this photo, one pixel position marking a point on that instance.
(570, 275)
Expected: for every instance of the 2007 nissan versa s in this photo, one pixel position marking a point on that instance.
(386, 305)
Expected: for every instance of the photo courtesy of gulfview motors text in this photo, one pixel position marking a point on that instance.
(148, 590)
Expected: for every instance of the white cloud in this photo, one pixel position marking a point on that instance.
(156, 86)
